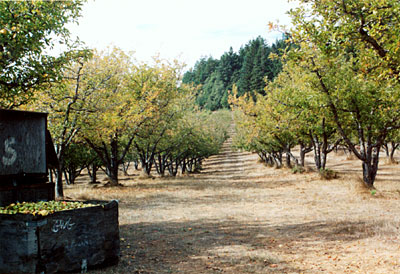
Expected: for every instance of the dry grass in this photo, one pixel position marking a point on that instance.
(239, 216)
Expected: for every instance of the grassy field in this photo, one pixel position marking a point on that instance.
(238, 216)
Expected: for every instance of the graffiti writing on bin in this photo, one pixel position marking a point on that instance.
(62, 225)
(10, 153)
(74, 244)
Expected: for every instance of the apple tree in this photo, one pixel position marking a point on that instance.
(28, 29)
(352, 49)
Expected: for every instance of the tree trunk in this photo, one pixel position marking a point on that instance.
(110, 159)
(51, 175)
(146, 167)
(125, 167)
(66, 177)
(160, 164)
(59, 182)
(321, 145)
(60, 169)
(262, 156)
(197, 165)
(157, 164)
(324, 156)
(324, 152)
(294, 159)
(93, 174)
(190, 165)
(303, 151)
(278, 159)
(370, 169)
(173, 166)
(270, 160)
(302, 155)
(136, 163)
(71, 174)
(393, 150)
(146, 159)
(288, 163)
(317, 152)
(370, 166)
(113, 168)
(183, 167)
(386, 148)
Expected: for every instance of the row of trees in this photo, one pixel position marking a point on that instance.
(339, 86)
(105, 109)
(246, 69)
(109, 110)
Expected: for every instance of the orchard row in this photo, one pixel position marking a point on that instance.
(339, 86)
(109, 110)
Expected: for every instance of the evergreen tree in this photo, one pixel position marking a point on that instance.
(229, 63)
(201, 71)
(248, 69)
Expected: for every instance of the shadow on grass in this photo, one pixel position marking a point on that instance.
(212, 246)
(213, 182)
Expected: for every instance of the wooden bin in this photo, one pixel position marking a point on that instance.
(70, 240)
(26, 153)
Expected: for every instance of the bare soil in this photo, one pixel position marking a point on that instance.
(239, 216)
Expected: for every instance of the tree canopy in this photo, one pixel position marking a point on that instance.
(28, 29)
(110, 109)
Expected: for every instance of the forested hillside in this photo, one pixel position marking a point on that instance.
(246, 69)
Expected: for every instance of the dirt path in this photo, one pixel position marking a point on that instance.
(237, 216)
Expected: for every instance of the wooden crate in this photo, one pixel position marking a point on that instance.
(22, 143)
(70, 240)
(26, 152)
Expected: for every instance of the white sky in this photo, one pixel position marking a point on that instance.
(182, 29)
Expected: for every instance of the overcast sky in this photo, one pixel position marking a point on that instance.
(183, 29)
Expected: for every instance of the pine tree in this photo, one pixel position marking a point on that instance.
(248, 69)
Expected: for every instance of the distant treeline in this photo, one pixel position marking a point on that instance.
(247, 69)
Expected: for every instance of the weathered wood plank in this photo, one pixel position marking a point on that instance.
(18, 241)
